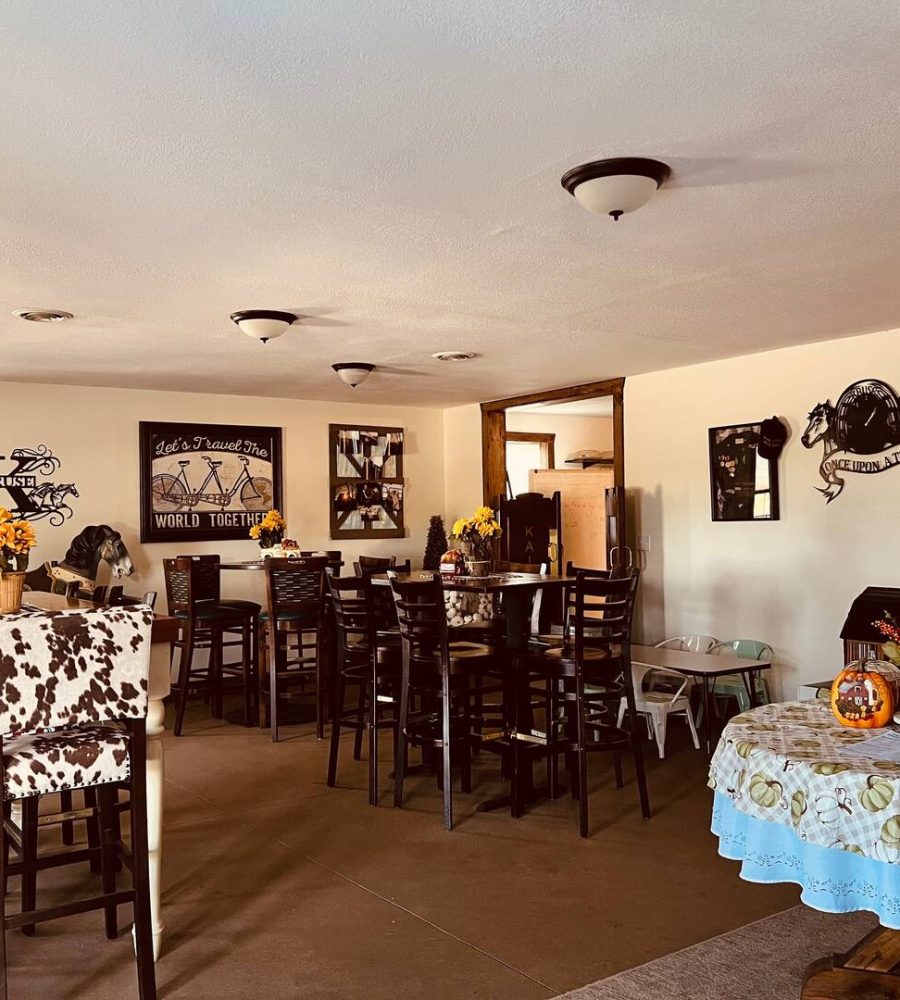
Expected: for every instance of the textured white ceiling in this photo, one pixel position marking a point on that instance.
(392, 171)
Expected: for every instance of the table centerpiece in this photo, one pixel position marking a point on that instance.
(269, 533)
(17, 539)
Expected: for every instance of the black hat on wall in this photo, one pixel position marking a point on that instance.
(772, 435)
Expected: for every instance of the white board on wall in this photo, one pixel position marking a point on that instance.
(583, 499)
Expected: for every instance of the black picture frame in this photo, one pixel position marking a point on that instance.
(207, 482)
(367, 492)
(738, 492)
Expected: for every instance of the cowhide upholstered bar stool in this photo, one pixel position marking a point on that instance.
(91, 735)
(292, 638)
(192, 587)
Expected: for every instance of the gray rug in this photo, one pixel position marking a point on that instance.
(763, 961)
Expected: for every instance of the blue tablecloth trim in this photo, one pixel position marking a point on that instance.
(832, 880)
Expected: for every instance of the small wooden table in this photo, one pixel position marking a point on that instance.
(164, 631)
(705, 667)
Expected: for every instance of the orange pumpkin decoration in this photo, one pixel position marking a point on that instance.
(864, 693)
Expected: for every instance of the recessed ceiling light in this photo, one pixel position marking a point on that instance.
(43, 315)
(454, 356)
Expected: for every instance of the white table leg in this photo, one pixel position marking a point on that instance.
(156, 714)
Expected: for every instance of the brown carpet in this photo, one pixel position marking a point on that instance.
(278, 888)
(763, 961)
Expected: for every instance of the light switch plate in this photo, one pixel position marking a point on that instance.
(643, 543)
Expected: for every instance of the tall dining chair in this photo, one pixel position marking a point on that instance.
(592, 668)
(295, 610)
(192, 592)
(442, 675)
(90, 736)
(367, 655)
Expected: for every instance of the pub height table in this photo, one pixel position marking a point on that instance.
(800, 798)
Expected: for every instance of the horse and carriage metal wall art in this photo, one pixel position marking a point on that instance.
(859, 434)
(31, 497)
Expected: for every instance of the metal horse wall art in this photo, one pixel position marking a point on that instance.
(95, 544)
(860, 433)
(27, 497)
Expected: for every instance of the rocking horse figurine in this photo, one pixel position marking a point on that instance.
(95, 544)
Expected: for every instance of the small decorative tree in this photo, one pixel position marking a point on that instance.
(436, 544)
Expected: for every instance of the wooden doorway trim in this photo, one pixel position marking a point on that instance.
(536, 437)
(494, 434)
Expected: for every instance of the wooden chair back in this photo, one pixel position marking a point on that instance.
(190, 581)
(422, 616)
(354, 607)
(295, 589)
(603, 612)
(532, 529)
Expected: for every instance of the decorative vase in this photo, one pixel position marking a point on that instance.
(11, 586)
(478, 567)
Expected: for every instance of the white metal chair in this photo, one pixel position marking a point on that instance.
(694, 643)
(657, 705)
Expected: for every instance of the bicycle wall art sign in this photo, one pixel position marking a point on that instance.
(207, 482)
(25, 491)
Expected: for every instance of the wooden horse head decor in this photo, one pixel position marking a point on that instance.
(95, 544)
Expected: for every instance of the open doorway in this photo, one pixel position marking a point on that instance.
(568, 442)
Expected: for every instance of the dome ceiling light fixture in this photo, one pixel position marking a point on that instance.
(263, 324)
(453, 355)
(614, 187)
(353, 372)
(43, 315)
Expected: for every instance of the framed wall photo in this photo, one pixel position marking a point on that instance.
(366, 481)
(207, 482)
(743, 486)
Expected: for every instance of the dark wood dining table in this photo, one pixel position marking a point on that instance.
(518, 590)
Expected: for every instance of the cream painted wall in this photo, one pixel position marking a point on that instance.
(789, 582)
(95, 434)
(462, 461)
(573, 433)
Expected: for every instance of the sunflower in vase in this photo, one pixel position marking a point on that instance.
(478, 532)
(16, 542)
(270, 530)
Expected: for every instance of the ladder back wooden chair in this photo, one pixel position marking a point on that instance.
(295, 609)
(592, 671)
(192, 592)
(368, 655)
(443, 674)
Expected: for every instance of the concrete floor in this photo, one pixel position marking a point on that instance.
(278, 887)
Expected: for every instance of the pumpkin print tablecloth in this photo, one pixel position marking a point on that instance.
(788, 763)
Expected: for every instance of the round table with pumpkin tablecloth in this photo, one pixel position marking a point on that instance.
(799, 798)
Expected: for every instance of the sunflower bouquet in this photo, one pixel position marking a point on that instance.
(16, 541)
(479, 531)
(270, 530)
